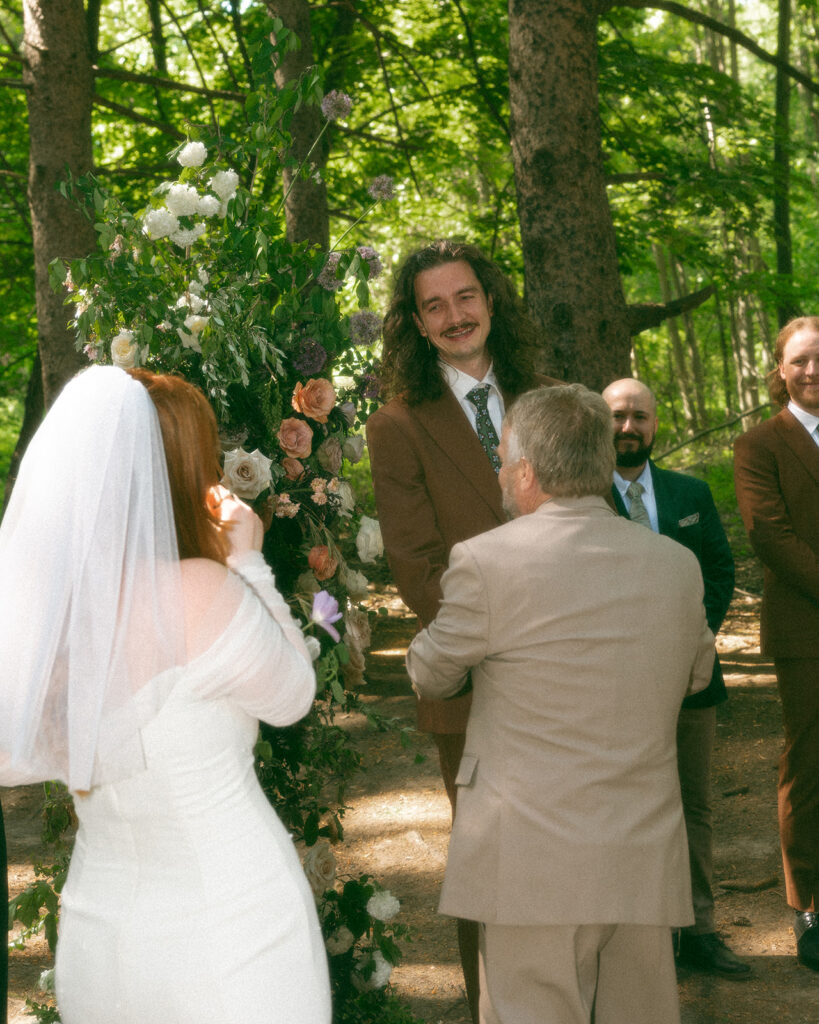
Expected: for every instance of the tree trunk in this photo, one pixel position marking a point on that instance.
(572, 279)
(32, 416)
(305, 210)
(781, 170)
(59, 90)
(679, 364)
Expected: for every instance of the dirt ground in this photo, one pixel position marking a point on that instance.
(398, 824)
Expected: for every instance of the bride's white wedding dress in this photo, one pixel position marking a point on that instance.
(185, 901)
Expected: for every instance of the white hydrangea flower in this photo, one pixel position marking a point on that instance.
(224, 184)
(195, 288)
(203, 275)
(342, 940)
(185, 237)
(182, 200)
(159, 223)
(124, 350)
(383, 906)
(208, 206)
(379, 977)
(192, 155)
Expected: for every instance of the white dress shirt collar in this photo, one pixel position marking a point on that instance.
(461, 384)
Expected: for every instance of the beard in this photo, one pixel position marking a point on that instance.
(635, 456)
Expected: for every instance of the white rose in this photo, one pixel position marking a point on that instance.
(355, 583)
(246, 473)
(340, 942)
(320, 867)
(383, 906)
(182, 200)
(124, 350)
(196, 324)
(353, 448)
(208, 206)
(357, 624)
(345, 498)
(192, 155)
(224, 184)
(369, 543)
(189, 340)
(159, 223)
(312, 644)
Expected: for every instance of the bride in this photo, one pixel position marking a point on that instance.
(142, 638)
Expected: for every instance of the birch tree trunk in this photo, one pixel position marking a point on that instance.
(572, 279)
(59, 90)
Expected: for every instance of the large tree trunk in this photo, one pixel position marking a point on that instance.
(573, 286)
(305, 210)
(59, 84)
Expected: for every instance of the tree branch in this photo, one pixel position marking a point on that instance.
(167, 83)
(712, 430)
(13, 83)
(725, 30)
(642, 315)
(483, 89)
(132, 115)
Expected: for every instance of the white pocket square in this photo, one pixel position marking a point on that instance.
(690, 520)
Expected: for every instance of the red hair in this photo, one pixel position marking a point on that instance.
(191, 440)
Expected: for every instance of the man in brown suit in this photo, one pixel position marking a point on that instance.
(776, 472)
(458, 350)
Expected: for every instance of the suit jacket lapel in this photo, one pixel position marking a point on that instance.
(799, 441)
(667, 512)
(447, 426)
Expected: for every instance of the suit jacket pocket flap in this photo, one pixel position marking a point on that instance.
(469, 762)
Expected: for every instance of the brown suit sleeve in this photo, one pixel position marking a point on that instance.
(761, 495)
(416, 550)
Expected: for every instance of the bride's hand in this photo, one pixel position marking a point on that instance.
(244, 528)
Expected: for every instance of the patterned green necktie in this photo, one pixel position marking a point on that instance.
(638, 513)
(486, 431)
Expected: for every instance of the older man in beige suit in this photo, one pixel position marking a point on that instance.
(583, 633)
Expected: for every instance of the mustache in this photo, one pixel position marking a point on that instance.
(465, 326)
(627, 437)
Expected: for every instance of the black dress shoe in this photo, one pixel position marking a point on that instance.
(806, 930)
(709, 953)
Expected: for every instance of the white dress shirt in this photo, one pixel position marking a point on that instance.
(649, 500)
(461, 384)
(808, 420)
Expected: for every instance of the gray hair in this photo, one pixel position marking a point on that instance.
(565, 433)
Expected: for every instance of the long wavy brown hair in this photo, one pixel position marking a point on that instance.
(191, 440)
(776, 386)
(410, 364)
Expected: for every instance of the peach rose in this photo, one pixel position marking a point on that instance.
(293, 469)
(315, 399)
(295, 438)
(322, 562)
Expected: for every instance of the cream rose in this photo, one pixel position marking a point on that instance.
(355, 583)
(340, 942)
(320, 867)
(353, 448)
(369, 542)
(295, 438)
(357, 624)
(329, 455)
(315, 399)
(247, 474)
(124, 350)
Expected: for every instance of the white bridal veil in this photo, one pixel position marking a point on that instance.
(90, 593)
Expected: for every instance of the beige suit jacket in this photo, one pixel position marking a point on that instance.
(583, 632)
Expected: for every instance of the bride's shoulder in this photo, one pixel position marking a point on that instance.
(202, 580)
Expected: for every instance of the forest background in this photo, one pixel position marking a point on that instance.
(646, 172)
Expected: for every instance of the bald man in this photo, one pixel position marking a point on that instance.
(681, 507)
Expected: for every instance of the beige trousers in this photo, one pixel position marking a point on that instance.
(577, 974)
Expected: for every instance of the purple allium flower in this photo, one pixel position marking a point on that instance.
(310, 358)
(372, 259)
(369, 386)
(365, 326)
(382, 187)
(327, 278)
(336, 105)
(325, 612)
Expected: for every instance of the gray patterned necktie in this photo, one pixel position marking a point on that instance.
(638, 513)
(486, 431)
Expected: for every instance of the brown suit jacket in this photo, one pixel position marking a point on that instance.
(776, 475)
(434, 486)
